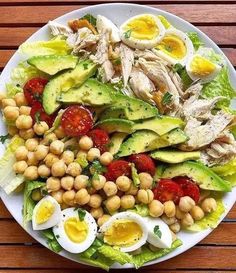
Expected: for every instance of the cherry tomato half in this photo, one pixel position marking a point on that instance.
(100, 139)
(37, 113)
(143, 163)
(117, 168)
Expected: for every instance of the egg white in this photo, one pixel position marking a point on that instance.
(128, 216)
(64, 240)
(53, 220)
(142, 44)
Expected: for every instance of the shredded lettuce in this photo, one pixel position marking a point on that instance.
(227, 169)
(51, 240)
(193, 36)
(231, 179)
(135, 176)
(181, 70)
(12, 90)
(56, 122)
(141, 209)
(164, 21)
(147, 255)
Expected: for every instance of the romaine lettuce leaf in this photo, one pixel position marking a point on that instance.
(135, 176)
(193, 36)
(227, 169)
(147, 255)
(141, 209)
(51, 240)
(12, 90)
(100, 261)
(231, 179)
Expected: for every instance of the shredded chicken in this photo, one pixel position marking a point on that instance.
(58, 29)
(148, 55)
(127, 61)
(106, 25)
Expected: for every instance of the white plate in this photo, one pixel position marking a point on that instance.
(118, 13)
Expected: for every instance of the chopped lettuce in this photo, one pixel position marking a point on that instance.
(231, 179)
(181, 70)
(56, 122)
(51, 240)
(141, 209)
(193, 36)
(164, 21)
(227, 169)
(28, 202)
(100, 261)
(147, 255)
(12, 90)
(9, 181)
(135, 176)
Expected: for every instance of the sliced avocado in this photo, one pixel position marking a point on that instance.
(116, 141)
(174, 156)
(202, 175)
(65, 81)
(113, 112)
(116, 125)
(159, 125)
(92, 92)
(52, 64)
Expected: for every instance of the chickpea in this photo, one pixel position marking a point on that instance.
(187, 221)
(57, 147)
(95, 201)
(113, 203)
(67, 182)
(31, 173)
(209, 205)
(81, 182)
(91, 190)
(26, 134)
(146, 181)
(197, 213)
(12, 130)
(85, 143)
(74, 169)
(156, 208)
(106, 158)
(41, 152)
(133, 190)
(169, 208)
(186, 203)
(11, 113)
(25, 110)
(50, 159)
(2, 97)
(82, 197)
(179, 214)
(20, 99)
(44, 171)
(68, 197)
(99, 182)
(93, 154)
(53, 184)
(59, 132)
(21, 153)
(40, 128)
(49, 138)
(110, 188)
(32, 160)
(123, 183)
(175, 227)
(8, 102)
(31, 144)
(68, 157)
(103, 219)
(36, 195)
(20, 166)
(145, 196)
(127, 201)
(58, 168)
(168, 220)
(96, 212)
(24, 122)
(57, 195)
(81, 154)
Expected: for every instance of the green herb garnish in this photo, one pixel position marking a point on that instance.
(81, 214)
(127, 34)
(91, 19)
(177, 68)
(85, 66)
(157, 231)
(37, 117)
(98, 167)
(166, 98)
(168, 48)
(3, 138)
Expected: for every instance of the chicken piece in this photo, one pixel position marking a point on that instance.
(77, 24)
(177, 82)
(104, 24)
(148, 55)
(193, 91)
(59, 29)
(127, 61)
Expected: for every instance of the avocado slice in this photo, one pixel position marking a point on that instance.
(65, 81)
(116, 125)
(202, 175)
(52, 64)
(113, 112)
(92, 92)
(116, 141)
(175, 156)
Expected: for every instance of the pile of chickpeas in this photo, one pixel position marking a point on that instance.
(47, 155)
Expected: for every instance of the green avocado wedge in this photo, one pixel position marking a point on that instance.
(202, 175)
(174, 156)
(116, 141)
(116, 125)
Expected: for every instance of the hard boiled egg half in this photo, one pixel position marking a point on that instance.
(46, 214)
(175, 47)
(126, 230)
(143, 31)
(73, 233)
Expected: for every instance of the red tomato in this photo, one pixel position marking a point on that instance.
(143, 163)
(167, 190)
(37, 111)
(33, 90)
(117, 168)
(76, 121)
(100, 139)
(189, 188)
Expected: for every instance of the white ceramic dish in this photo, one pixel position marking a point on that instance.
(118, 13)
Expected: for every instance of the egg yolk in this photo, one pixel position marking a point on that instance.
(173, 46)
(142, 28)
(44, 212)
(76, 230)
(123, 233)
(200, 66)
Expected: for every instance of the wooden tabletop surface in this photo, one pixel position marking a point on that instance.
(19, 253)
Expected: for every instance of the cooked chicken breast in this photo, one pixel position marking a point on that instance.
(58, 29)
(127, 61)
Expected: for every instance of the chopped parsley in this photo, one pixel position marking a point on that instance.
(85, 66)
(127, 34)
(37, 117)
(3, 138)
(157, 231)
(81, 214)
(90, 18)
(168, 48)
(98, 167)
(177, 68)
(167, 98)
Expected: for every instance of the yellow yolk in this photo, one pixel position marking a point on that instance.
(201, 67)
(142, 28)
(173, 46)
(44, 212)
(76, 230)
(123, 233)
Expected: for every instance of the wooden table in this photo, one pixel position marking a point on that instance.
(19, 253)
